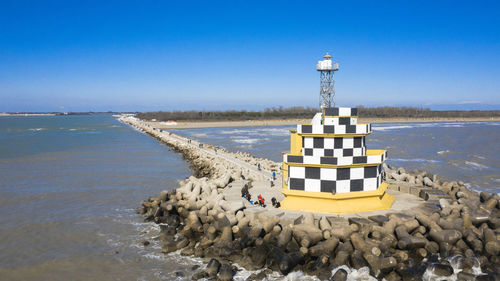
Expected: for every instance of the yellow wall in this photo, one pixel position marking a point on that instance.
(295, 143)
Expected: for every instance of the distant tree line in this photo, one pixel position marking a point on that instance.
(416, 112)
(299, 112)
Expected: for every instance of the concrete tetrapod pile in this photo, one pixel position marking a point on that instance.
(455, 234)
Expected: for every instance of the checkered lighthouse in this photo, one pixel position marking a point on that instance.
(329, 169)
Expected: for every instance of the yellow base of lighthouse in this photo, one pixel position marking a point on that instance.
(341, 203)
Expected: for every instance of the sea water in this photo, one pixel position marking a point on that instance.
(68, 189)
(69, 186)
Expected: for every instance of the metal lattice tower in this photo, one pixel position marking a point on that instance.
(327, 85)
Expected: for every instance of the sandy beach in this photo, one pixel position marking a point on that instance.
(281, 122)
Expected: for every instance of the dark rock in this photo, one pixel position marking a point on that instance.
(340, 275)
(258, 255)
(462, 276)
(360, 221)
(488, 277)
(199, 275)
(225, 273)
(283, 260)
(392, 276)
(257, 276)
(441, 269)
(212, 268)
(379, 219)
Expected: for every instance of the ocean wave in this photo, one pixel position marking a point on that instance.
(247, 140)
(453, 126)
(443, 152)
(275, 131)
(257, 131)
(477, 166)
(245, 146)
(375, 128)
(417, 125)
(415, 160)
(37, 129)
(199, 135)
(235, 131)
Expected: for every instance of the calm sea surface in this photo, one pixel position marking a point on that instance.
(68, 189)
(69, 186)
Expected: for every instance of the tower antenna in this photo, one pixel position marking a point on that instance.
(327, 81)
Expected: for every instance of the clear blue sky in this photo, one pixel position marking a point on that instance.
(166, 55)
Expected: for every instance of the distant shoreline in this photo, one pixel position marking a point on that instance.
(282, 122)
(26, 114)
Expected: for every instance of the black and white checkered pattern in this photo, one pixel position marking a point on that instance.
(333, 143)
(334, 129)
(319, 160)
(329, 121)
(333, 147)
(339, 180)
(341, 152)
(341, 111)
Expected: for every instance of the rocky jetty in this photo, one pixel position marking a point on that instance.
(456, 232)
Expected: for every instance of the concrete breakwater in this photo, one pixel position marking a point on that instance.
(454, 233)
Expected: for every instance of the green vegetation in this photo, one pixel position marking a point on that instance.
(299, 112)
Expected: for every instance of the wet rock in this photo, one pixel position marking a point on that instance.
(257, 276)
(488, 277)
(213, 267)
(441, 269)
(225, 273)
(392, 276)
(462, 276)
(199, 275)
(180, 274)
(339, 275)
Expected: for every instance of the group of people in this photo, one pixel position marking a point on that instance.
(261, 201)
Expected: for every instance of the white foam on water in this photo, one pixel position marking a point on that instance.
(199, 135)
(37, 129)
(362, 274)
(376, 128)
(245, 146)
(415, 160)
(453, 125)
(443, 152)
(275, 131)
(247, 140)
(235, 131)
(476, 166)
(455, 263)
